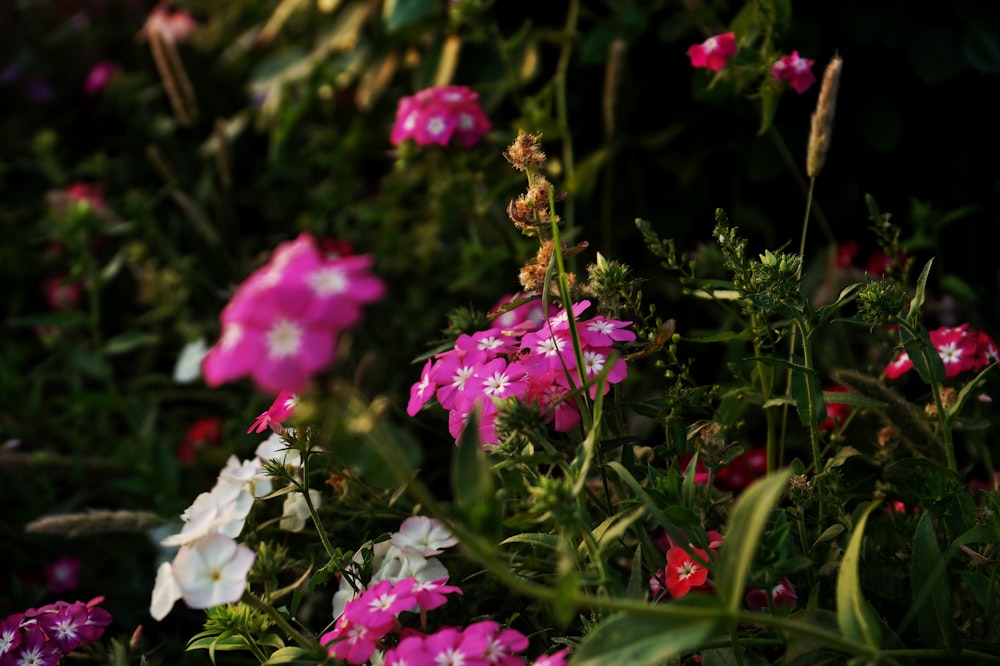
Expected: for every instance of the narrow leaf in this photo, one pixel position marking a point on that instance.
(853, 616)
(743, 531)
(931, 591)
(644, 640)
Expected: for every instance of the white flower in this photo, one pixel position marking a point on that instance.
(212, 571)
(277, 449)
(166, 592)
(389, 563)
(249, 475)
(295, 511)
(188, 366)
(426, 535)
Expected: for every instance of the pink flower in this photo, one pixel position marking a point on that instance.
(714, 52)
(282, 325)
(352, 642)
(282, 408)
(781, 595)
(34, 648)
(10, 633)
(795, 71)
(554, 659)
(61, 294)
(960, 348)
(379, 605)
(99, 77)
(62, 574)
(176, 26)
(435, 115)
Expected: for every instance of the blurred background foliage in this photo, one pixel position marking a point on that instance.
(284, 127)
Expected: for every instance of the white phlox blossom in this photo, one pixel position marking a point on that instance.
(295, 511)
(425, 535)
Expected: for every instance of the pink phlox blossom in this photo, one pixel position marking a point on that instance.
(455, 647)
(100, 76)
(352, 642)
(282, 324)
(782, 596)
(65, 626)
(601, 332)
(379, 605)
(62, 574)
(431, 594)
(714, 52)
(436, 115)
(34, 649)
(552, 400)
(554, 659)
(176, 26)
(422, 391)
(10, 633)
(502, 644)
(282, 408)
(961, 349)
(795, 71)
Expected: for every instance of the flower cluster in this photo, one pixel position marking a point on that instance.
(714, 52)
(282, 324)
(961, 348)
(795, 71)
(43, 636)
(435, 115)
(211, 568)
(527, 360)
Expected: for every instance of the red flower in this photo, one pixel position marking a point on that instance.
(683, 573)
(960, 348)
(203, 432)
(62, 294)
(782, 595)
(794, 71)
(738, 474)
(835, 412)
(714, 52)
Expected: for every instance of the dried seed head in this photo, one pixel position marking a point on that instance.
(525, 154)
(822, 118)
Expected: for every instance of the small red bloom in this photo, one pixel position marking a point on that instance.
(714, 52)
(203, 432)
(62, 294)
(682, 572)
(782, 595)
(835, 412)
(794, 71)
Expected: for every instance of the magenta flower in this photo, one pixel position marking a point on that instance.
(62, 573)
(282, 325)
(282, 408)
(794, 71)
(436, 115)
(714, 52)
(379, 605)
(35, 648)
(10, 634)
(352, 642)
(960, 348)
(554, 659)
(100, 76)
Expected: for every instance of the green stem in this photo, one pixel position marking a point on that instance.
(279, 620)
(562, 106)
(304, 489)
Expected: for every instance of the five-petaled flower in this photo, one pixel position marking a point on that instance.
(684, 573)
(436, 115)
(795, 71)
(714, 52)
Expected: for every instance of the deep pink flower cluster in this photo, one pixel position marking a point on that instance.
(524, 359)
(960, 347)
(479, 644)
(282, 324)
(435, 115)
(714, 52)
(43, 636)
(795, 71)
(370, 616)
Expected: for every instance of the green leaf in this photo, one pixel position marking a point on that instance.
(637, 581)
(472, 481)
(852, 399)
(931, 590)
(926, 361)
(644, 640)
(913, 316)
(550, 541)
(854, 617)
(285, 655)
(744, 528)
(405, 12)
(655, 512)
(802, 385)
(126, 342)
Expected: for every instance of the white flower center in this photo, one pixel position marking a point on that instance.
(284, 339)
(435, 125)
(593, 362)
(497, 384)
(328, 280)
